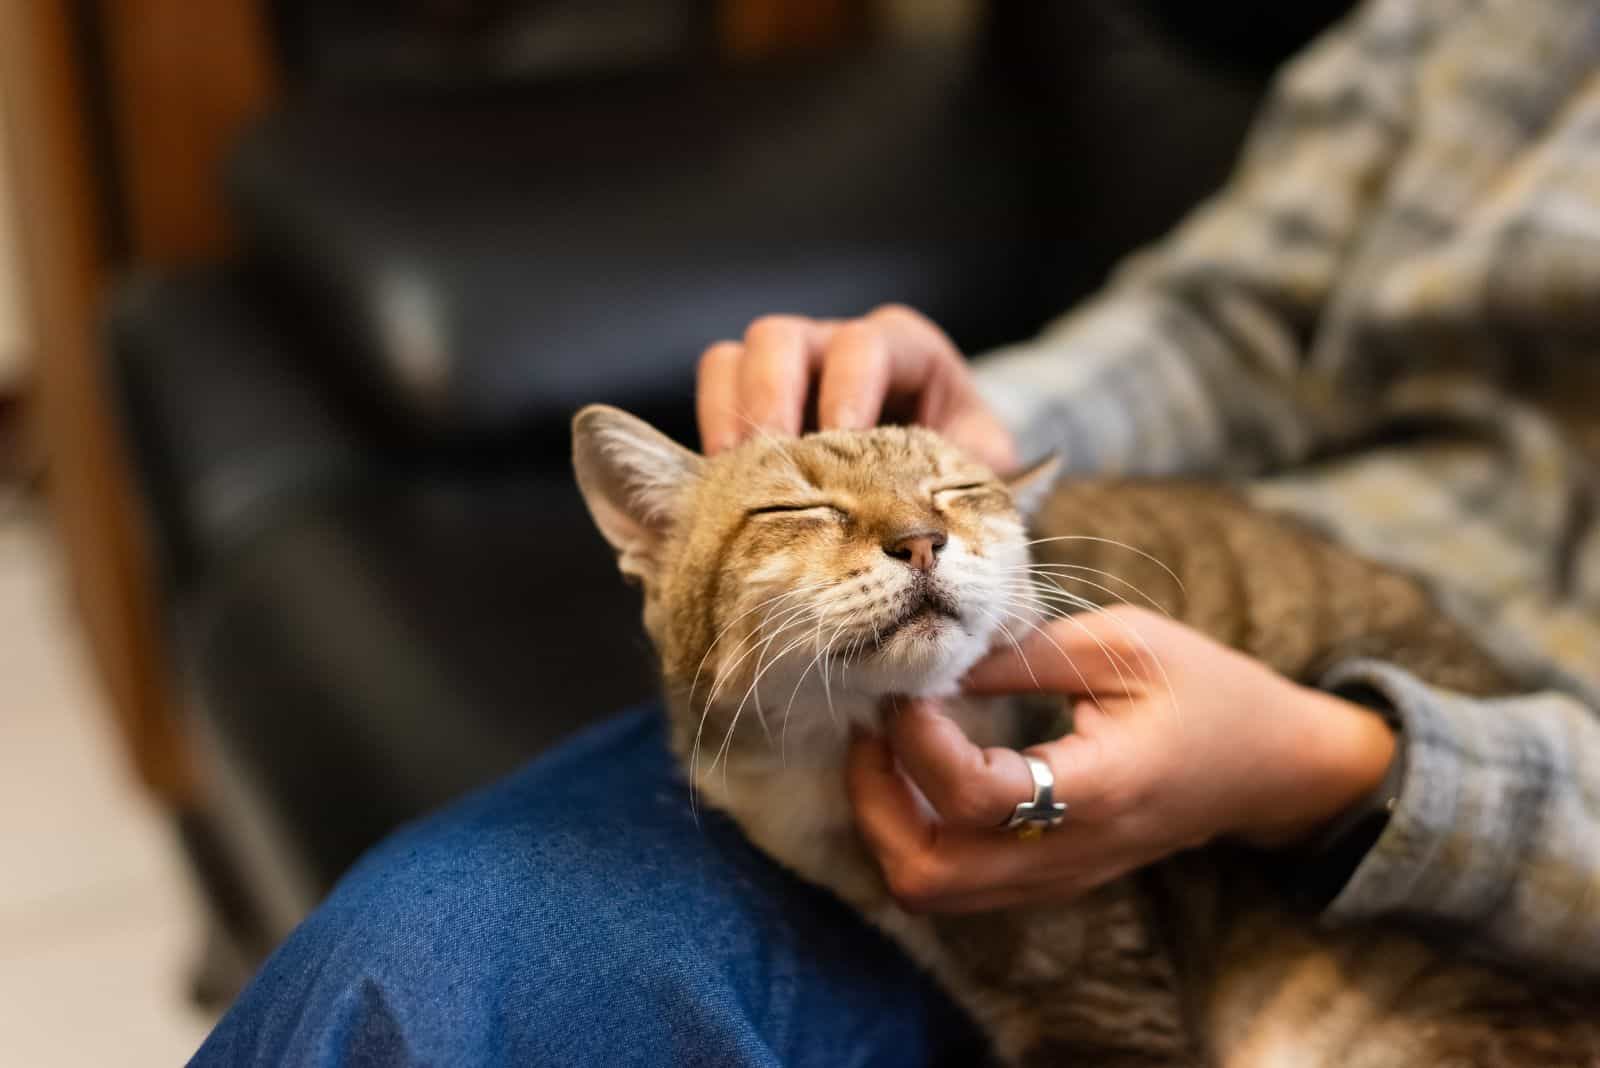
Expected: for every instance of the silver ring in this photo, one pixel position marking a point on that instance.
(1042, 810)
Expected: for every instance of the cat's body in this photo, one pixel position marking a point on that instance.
(777, 596)
(1262, 583)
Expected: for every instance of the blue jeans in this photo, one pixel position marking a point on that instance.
(574, 914)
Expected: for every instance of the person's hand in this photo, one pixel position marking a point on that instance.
(1177, 740)
(893, 363)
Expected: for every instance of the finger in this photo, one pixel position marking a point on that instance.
(931, 867)
(716, 396)
(1080, 765)
(921, 359)
(1076, 655)
(977, 431)
(968, 786)
(1048, 885)
(775, 374)
(855, 378)
(1060, 866)
(924, 363)
(967, 871)
(901, 831)
(893, 819)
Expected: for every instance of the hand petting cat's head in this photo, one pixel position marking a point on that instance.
(837, 565)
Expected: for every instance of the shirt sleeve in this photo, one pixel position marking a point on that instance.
(1494, 833)
(1195, 357)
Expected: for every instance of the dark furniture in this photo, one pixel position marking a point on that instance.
(352, 442)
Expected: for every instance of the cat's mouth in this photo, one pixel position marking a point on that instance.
(922, 617)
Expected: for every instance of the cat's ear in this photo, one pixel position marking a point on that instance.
(634, 479)
(1031, 487)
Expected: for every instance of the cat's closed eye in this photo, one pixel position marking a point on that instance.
(796, 509)
(970, 494)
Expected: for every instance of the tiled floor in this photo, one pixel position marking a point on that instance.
(97, 921)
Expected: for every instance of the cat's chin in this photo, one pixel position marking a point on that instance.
(924, 660)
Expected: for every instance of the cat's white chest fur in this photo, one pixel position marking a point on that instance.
(801, 816)
(793, 803)
(791, 797)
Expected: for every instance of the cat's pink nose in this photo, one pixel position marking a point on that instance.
(920, 550)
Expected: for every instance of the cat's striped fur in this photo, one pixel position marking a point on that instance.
(768, 594)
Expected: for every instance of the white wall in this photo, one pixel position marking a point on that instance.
(12, 342)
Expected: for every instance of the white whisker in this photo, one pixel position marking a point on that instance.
(1053, 570)
(1057, 646)
(1119, 544)
(788, 615)
(1144, 652)
(733, 724)
(1014, 644)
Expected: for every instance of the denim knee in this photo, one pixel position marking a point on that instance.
(577, 913)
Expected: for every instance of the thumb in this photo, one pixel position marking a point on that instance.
(967, 785)
(1074, 655)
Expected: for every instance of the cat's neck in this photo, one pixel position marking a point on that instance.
(811, 733)
(788, 792)
(811, 736)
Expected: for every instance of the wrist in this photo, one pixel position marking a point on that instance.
(1337, 756)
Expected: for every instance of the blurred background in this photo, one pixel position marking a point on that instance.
(296, 299)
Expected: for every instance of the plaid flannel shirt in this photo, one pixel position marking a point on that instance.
(1389, 321)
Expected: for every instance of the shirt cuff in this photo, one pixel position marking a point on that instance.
(1455, 838)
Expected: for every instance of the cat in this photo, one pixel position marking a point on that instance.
(778, 596)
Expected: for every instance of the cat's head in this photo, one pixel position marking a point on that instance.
(836, 565)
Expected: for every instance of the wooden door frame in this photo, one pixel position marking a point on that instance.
(179, 80)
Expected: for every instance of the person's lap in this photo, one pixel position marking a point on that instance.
(575, 913)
